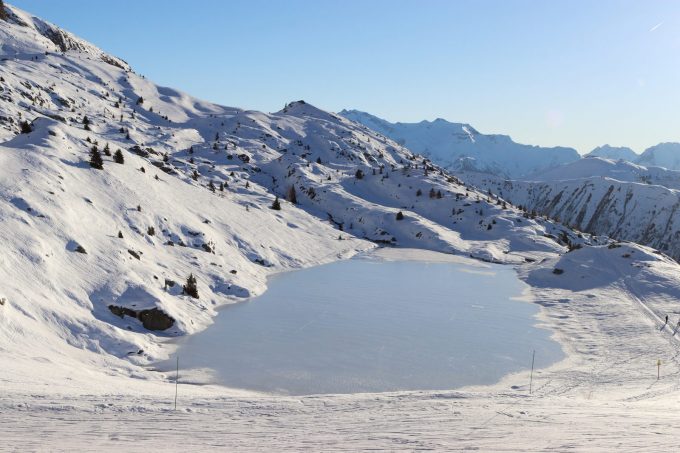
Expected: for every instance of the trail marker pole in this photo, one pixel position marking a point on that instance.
(531, 379)
(176, 382)
(658, 369)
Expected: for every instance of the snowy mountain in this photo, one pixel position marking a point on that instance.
(95, 259)
(620, 170)
(614, 152)
(665, 155)
(116, 192)
(458, 146)
(609, 196)
(617, 199)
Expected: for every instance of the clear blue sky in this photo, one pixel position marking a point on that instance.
(548, 72)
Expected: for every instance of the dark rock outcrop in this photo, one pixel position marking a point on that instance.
(153, 319)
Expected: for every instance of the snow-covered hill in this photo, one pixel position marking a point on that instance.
(459, 147)
(665, 155)
(93, 261)
(614, 152)
(94, 258)
(628, 202)
(620, 170)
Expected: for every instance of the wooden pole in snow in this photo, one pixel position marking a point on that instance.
(531, 379)
(176, 382)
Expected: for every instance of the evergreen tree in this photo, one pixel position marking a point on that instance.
(107, 150)
(120, 235)
(191, 287)
(25, 127)
(400, 215)
(96, 159)
(432, 193)
(211, 186)
(359, 174)
(291, 195)
(118, 157)
(276, 205)
(3, 13)
(419, 192)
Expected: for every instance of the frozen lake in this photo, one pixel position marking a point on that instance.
(367, 325)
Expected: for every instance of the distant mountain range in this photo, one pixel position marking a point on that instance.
(460, 147)
(611, 191)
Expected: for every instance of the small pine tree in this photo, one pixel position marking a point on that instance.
(400, 215)
(140, 101)
(191, 287)
(86, 120)
(118, 157)
(107, 150)
(419, 192)
(291, 195)
(276, 205)
(151, 231)
(318, 160)
(120, 235)
(96, 160)
(432, 193)
(3, 13)
(221, 187)
(25, 127)
(359, 174)
(211, 186)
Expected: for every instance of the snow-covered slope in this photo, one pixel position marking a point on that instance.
(632, 207)
(86, 251)
(614, 152)
(33, 35)
(665, 155)
(620, 170)
(458, 146)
